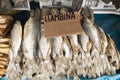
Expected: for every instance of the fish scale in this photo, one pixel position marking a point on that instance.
(91, 31)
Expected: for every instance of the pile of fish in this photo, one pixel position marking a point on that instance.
(5, 22)
(90, 54)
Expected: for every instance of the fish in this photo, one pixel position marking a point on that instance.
(73, 39)
(70, 42)
(30, 44)
(14, 68)
(85, 43)
(104, 42)
(56, 41)
(67, 48)
(112, 53)
(16, 38)
(111, 47)
(92, 32)
(57, 46)
(88, 12)
(30, 37)
(15, 43)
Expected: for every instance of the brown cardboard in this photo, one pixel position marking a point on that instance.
(63, 27)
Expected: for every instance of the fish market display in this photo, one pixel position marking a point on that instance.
(90, 54)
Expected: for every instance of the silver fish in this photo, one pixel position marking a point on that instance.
(104, 42)
(81, 53)
(91, 31)
(16, 38)
(74, 43)
(112, 52)
(31, 37)
(57, 46)
(85, 43)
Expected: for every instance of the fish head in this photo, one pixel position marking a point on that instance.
(85, 21)
(88, 12)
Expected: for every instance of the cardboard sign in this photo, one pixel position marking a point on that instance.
(62, 24)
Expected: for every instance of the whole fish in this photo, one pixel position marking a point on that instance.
(112, 53)
(67, 48)
(16, 38)
(104, 42)
(85, 43)
(92, 32)
(73, 39)
(30, 37)
(30, 44)
(81, 53)
(111, 47)
(57, 46)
